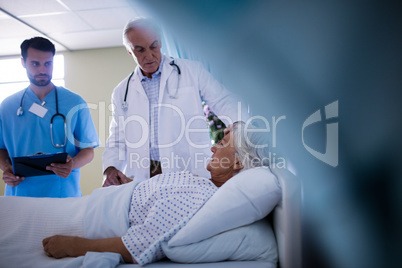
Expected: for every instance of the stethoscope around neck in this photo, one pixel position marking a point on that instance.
(20, 112)
(124, 105)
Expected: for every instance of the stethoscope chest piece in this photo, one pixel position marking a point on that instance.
(124, 106)
(63, 144)
(20, 111)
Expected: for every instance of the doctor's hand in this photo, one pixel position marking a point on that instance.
(10, 179)
(62, 170)
(114, 177)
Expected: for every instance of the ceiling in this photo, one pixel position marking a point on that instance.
(70, 24)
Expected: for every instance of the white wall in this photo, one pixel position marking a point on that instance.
(93, 74)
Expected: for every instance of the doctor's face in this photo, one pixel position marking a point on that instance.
(39, 66)
(145, 49)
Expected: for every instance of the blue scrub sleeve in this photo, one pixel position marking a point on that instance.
(84, 133)
(2, 145)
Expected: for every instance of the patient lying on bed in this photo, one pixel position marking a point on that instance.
(161, 207)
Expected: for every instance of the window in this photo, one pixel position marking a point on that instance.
(13, 77)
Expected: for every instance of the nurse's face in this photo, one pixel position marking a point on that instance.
(39, 66)
(145, 49)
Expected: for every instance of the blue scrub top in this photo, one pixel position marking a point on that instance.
(29, 134)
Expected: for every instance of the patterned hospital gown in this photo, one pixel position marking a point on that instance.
(160, 207)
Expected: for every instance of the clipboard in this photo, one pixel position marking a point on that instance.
(35, 165)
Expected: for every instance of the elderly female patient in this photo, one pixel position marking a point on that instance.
(183, 190)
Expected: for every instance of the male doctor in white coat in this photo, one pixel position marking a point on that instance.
(158, 123)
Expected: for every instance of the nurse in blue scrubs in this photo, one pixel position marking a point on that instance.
(25, 120)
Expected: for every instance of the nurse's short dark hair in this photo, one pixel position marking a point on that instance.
(38, 43)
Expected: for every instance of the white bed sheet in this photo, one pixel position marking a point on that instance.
(25, 222)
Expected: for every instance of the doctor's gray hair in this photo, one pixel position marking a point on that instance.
(251, 144)
(141, 23)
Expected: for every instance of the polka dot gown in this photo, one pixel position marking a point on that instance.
(160, 207)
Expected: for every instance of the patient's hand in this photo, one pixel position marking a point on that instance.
(115, 177)
(60, 246)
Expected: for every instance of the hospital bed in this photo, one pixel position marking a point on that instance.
(285, 220)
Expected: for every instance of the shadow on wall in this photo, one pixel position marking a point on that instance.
(330, 73)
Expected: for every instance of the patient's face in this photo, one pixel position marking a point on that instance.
(224, 163)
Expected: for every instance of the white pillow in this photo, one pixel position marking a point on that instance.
(253, 242)
(247, 197)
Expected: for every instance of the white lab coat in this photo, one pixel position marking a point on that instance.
(184, 141)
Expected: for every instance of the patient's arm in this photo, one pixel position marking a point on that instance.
(60, 246)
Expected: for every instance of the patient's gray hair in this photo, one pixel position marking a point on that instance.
(141, 23)
(251, 145)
